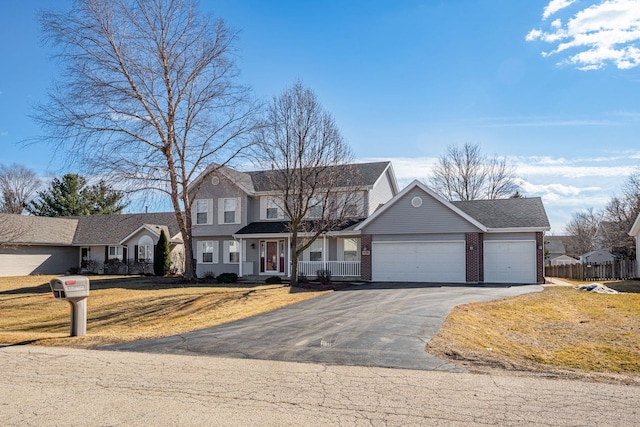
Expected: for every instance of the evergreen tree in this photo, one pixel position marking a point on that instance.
(162, 261)
(70, 196)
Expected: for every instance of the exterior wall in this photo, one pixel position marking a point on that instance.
(431, 217)
(250, 261)
(510, 236)
(213, 194)
(365, 257)
(380, 194)
(474, 257)
(540, 257)
(435, 237)
(25, 260)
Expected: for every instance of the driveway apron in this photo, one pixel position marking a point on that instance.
(384, 325)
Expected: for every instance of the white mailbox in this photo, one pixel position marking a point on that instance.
(74, 289)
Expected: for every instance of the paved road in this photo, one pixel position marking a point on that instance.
(382, 325)
(61, 386)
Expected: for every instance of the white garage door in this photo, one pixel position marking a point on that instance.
(510, 262)
(20, 264)
(418, 262)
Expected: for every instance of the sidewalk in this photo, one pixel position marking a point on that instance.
(62, 386)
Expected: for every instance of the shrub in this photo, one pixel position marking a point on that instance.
(302, 278)
(227, 278)
(273, 280)
(115, 266)
(208, 275)
(74, 270)
(162, 260)
(324, 276)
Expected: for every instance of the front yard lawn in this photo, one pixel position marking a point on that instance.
(559, 328)
(131, 308)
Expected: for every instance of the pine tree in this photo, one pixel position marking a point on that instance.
(162, 261)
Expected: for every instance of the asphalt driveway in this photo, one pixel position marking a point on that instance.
(384, 325)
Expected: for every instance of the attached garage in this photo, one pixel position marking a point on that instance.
(510, 262)
(419, 261)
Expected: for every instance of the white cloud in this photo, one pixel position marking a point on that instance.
(605, 32)
(4, 133)
(554, 6)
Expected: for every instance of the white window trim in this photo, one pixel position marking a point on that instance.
(221, 210)
(208, 203)
(201, 252)
(119, 252)
(227, 252)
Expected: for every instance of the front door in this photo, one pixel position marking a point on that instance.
(85, 255)
(272, 256)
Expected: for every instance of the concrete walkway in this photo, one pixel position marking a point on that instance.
(384, 325)
(61, 386)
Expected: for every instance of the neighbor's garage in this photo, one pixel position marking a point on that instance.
(510, 262)
(418, 261)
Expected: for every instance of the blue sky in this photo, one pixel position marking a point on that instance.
(552, 85)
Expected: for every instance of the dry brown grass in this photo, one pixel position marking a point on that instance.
(125, 309)
(560, 327)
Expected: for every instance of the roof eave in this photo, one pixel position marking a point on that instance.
(518, 229)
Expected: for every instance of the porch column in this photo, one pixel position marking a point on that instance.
(324, 252)
(289, 256)
(240, 260)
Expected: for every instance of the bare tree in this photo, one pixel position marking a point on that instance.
(583, 229)
(619, 216)
(17, 186)
(311, 172)
(464, 173)
(12, 229)
(148, 97)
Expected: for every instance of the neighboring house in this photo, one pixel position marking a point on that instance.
(598, 256)
(563, 260)
(239, 225)
(411, 236)
(44, 245)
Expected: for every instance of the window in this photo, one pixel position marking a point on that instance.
(145, 253)
(351, 210)
(315, 251)
(229, 210)
(315, 207)
(232, 252)
(350, 249)
(272, 208)
(202, 212)
(115, 252)
(208, 252)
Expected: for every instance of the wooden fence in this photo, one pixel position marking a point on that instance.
(616, 270)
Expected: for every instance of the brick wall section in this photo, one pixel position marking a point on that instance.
(365, 260)
(481, 257)
(473, 256)
(540, 257)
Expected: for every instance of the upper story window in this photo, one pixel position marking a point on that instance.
(315, 207)
(229, 210)
(271, 208)
(202, 211)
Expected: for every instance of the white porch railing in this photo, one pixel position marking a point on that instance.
(337, 268)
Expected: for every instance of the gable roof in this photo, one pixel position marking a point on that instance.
(113, 229)
(507, 213)
(38, 230)
(282, 227)
(521, 214)
(430, 192)
(635, 228)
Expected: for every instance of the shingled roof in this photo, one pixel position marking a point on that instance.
(111, 229)
(279, 227)
(37, 230)
(506, 213)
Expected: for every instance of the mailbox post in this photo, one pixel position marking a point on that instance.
(74, 289)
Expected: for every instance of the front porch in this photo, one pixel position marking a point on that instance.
(336, 268)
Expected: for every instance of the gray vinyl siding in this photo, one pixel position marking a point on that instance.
(380, 194)
(509, 236)
(25, 260)
(439, 237)
(224, 189)
(431, 217)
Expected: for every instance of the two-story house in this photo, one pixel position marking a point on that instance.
(239, 225)
(413, 235)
